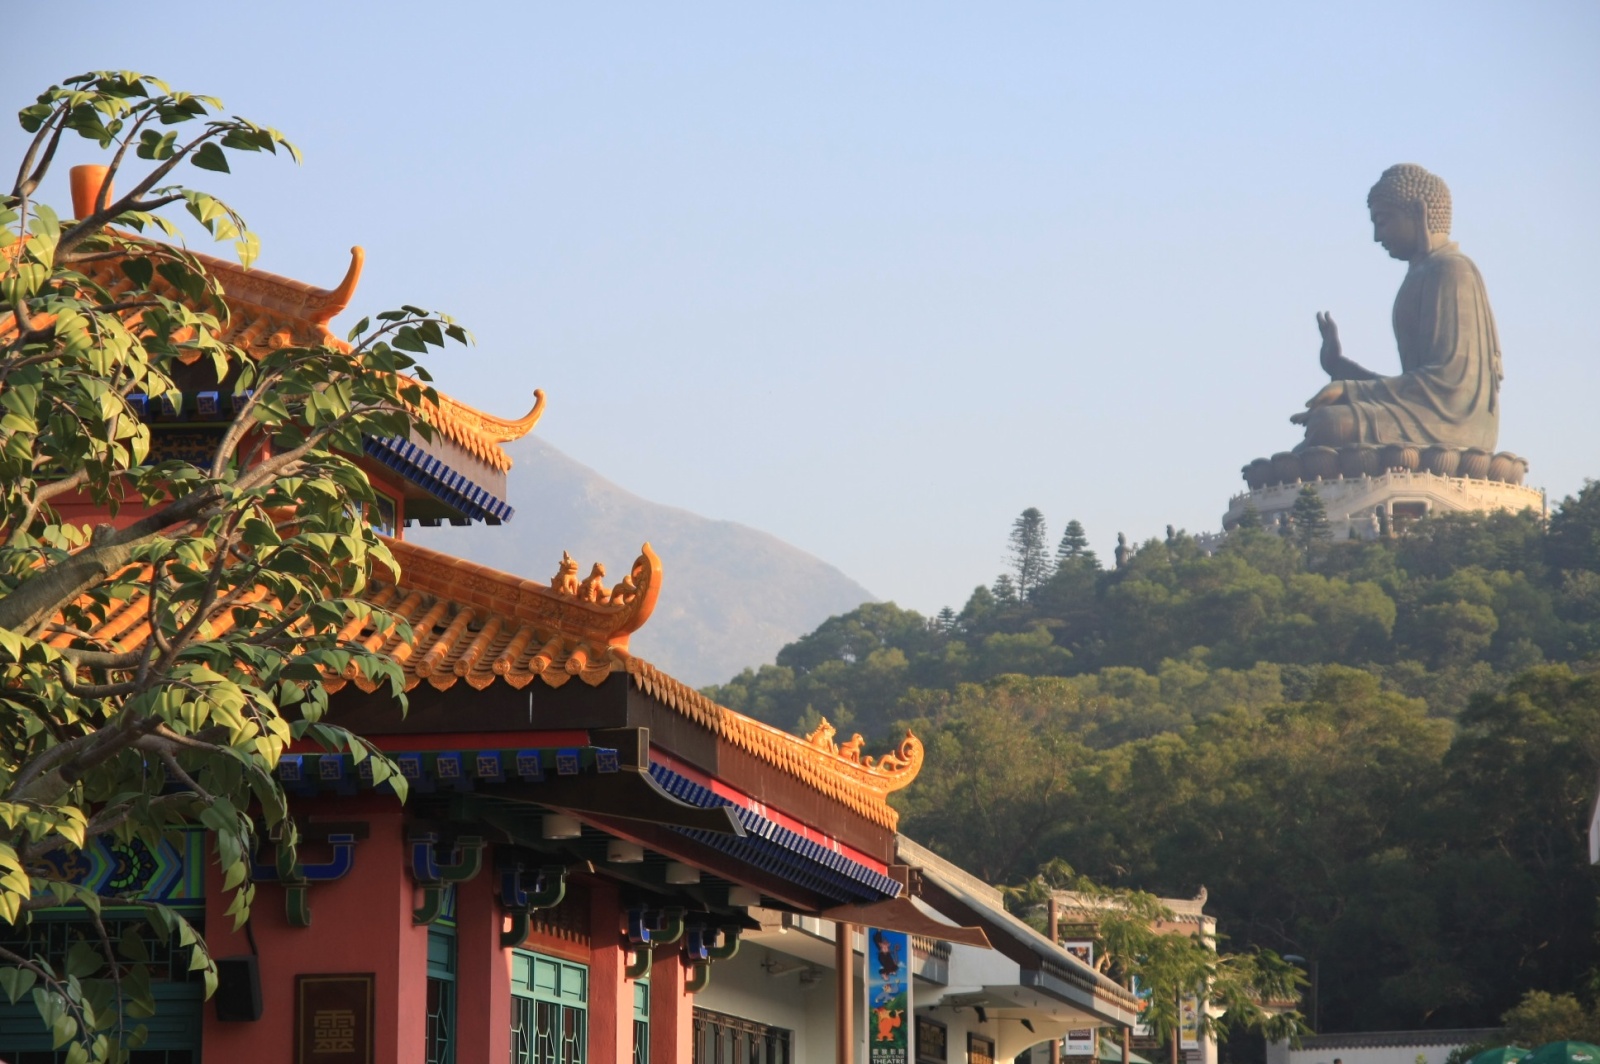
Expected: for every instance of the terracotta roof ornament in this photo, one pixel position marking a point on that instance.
(266, 311)
(861, 786)
(476, 625)
(822, 738)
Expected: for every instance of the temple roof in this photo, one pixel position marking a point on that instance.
(477, 625)
(855, 782)
(268, 311)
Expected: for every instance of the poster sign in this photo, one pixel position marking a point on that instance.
(1141, 1029)
(889, 1016)
(333, 1018)
(1189, 1022)
(1081, 948)
(1079, 1042)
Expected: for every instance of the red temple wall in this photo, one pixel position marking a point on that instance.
(610, 989)
(361, 923)
(483, 975)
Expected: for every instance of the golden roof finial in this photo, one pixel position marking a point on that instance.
(503, 431)
(337, 298)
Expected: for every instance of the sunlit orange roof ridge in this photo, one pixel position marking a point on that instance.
(269, 311)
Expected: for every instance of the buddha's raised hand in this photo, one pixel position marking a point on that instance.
(1332, 351)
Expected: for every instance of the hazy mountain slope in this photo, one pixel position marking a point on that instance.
(732, 596)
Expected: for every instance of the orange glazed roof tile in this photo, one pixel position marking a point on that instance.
(842, 775)
(268, 311)
(475, 624)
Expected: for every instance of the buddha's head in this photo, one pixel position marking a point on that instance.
(1410, 211)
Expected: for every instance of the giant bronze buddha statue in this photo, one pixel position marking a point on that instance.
(1447, 391)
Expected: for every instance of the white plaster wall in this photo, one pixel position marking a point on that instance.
(741, 987)
(959, 1022)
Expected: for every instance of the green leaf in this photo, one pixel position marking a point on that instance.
(83, 959)
(62, 1030)
(131, 945)
(139, 270)
(155, 145)
(16, 982)
(248, 248)
(210, 157)
(45, 223)
(33, 118)
(48, 1004)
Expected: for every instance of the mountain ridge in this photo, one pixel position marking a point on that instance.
(731, 595)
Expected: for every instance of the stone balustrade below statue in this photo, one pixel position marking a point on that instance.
(1327, 463)
(1368, 506)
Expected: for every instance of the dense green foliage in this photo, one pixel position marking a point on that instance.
(1538, 1019)
(1452, 608)
(1135, 940)
(247, 570)
(1541, 1017)
(1379, 756)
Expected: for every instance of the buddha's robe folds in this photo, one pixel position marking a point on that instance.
(1447, 392)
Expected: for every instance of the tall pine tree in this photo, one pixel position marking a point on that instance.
(1029, 555)
(1074, 548)
(1310, 518)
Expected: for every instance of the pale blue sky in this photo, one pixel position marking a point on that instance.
(876, 277)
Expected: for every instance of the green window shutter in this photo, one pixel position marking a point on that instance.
(641, 1021)
(549, 1010)
(441, 1021)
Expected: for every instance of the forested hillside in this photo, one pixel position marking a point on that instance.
(1380, 756)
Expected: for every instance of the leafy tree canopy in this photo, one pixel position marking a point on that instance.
(1456, 605)
(246, 568)
(1380, 756)
(1139, 937)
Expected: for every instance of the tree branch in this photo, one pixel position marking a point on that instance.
(100, 198)
(87, 226)
(102, 659)
(109, 820)
(203, 607)
(243, 422)
(41, 496)
(26, 184)
(171, 764)
(34, 601)
(54, 771)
